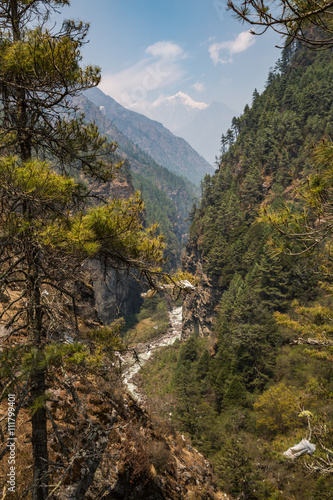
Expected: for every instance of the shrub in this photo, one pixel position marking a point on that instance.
(159, 455)
(277, 409)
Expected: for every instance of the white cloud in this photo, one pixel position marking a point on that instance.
(199, 86)
(159, 69)
(165, 50)
(214, 52)
(243, 41)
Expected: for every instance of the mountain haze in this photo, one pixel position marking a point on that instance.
(200, 124)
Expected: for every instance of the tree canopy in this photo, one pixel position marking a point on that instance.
(310, 21)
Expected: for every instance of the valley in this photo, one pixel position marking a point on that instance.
(244, 386)
(166, 325)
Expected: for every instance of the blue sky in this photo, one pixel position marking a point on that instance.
(153, 48)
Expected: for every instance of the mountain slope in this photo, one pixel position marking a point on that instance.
(168, 150)
(168, 197)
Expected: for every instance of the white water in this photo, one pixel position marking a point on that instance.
(132, 365)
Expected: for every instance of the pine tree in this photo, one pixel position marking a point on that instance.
(309, 22)
(50, 225)
(230, 136)
(224, 143)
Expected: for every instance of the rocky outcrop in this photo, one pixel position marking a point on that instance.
(199, 307)
(103, 445)
(132, 457)
(117, 294)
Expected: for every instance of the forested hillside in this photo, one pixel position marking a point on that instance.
(260, 379)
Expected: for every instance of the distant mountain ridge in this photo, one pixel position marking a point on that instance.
(152, 137)
(183, 99)
(200, 124)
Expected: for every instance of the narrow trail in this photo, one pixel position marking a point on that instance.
(145, 351)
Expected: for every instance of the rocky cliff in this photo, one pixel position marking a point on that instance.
(102, 443)
(117, 294)
(199, 308)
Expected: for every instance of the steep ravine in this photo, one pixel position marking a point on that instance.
(193, 474)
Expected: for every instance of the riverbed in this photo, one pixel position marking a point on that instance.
(144, 351)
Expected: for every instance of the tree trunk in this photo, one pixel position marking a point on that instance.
(37, 381)
(34, 310)
(39, 440)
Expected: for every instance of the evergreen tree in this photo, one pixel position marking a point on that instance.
(50, 225)
(230, 137)
(294, 19)
(224, 142)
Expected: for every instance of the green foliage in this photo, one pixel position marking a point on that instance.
(273, 147)
(108, 338)
(35, 179)
(244, 442)
(161, 209)
(101, 232)
(151, 321)
(51, 226)
(248, 335)
(38, 403)
(277, 409)
(238, 473)
(306, 227)
(235, 393)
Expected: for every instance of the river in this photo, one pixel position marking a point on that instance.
(145, 351)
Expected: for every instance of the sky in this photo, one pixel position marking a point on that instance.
(148, 49)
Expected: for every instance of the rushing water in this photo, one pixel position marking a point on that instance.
(132, 365)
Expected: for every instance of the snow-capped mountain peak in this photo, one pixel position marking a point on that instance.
(180, 99)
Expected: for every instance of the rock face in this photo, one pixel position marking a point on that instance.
(116, 293)
(199, 308)
(103, 445)
(140, 461)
